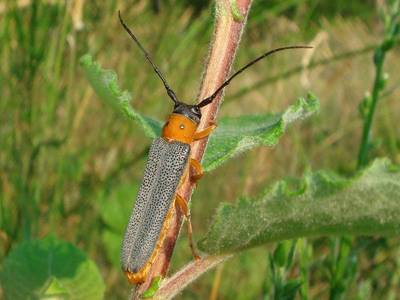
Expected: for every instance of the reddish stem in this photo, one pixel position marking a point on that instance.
(176, 283)
(229, 23)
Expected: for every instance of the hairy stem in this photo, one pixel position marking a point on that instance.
(227, 32)
(173, 285)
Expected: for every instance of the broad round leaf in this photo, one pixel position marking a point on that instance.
(321, 203)
(50, 269)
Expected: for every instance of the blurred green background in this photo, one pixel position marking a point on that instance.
(69, 166)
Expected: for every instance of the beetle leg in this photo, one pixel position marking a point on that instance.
(181, 203)
(198, 170)
(205, 132)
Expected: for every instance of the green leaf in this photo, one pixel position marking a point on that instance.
(49, 268)
(105, 84)
(154, 286)
(233, 135)
(321, 203)
(280, 254)
(236, 135)
(289, 290)
(54, 290)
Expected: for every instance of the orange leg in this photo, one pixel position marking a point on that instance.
(181, 203)
(205, 132)
(198, 170)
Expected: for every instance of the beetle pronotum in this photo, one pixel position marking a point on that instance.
(168, 166)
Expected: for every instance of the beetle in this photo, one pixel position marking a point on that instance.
(168, 167)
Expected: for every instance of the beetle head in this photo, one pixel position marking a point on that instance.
(190, 111)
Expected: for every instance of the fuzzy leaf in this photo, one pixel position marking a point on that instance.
(105, 84)
(50, 269)
(232, 136)
(322, 203)
(239, 134)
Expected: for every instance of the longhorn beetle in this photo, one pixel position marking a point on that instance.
(166, 170)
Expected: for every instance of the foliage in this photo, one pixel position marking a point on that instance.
(50, 268)
(237, 135)
(233, 135)
(322, 203)
(106, 85)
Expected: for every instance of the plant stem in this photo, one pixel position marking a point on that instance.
(173, 285)
(225, 41)
(392, 32)
(365, 138)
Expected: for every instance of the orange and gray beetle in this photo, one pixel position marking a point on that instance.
(167, 168)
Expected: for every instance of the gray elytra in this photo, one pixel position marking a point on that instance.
(164, 170)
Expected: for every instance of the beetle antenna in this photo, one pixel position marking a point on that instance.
(209, 99)
(170, 92)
